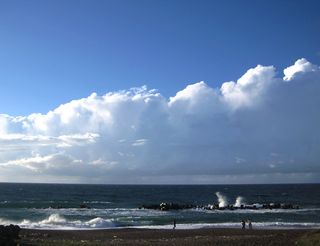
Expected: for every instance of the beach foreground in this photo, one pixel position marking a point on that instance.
(220, 236)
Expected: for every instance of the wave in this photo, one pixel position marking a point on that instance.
(114, 212)
(257, 225)
(58, 222)
(18, 202)
(43, 204)
(28, 203)
(97, 202)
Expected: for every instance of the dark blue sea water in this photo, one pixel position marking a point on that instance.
(57, 206)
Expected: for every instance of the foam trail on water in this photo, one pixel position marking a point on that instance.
(239, 201)
(223, 202)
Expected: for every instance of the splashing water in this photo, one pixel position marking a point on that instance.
(222, 200)
(54, 219)
(239, 201)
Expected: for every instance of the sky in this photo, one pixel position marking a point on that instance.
(145, 92)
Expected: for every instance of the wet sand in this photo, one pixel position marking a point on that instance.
(216, 236)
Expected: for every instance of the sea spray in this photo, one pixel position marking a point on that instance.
(54, 219)
(222, 200)
(99, 223)
(239, 201)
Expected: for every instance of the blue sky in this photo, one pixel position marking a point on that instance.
(52, 52)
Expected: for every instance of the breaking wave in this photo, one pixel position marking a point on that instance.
(97, 202)
(56, 221)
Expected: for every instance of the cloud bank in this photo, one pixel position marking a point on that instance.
(260, 128)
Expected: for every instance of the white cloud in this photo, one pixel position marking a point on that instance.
(41, 163)
(300, 66)
(140, 142)
(249, 88)
(258, 126)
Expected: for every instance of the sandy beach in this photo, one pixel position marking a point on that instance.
(220, 236)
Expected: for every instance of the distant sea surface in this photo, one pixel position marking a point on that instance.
(57, 206)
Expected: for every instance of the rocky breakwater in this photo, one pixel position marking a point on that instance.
(164, 206)
(167, 206)
(222, 204)
(9, 235)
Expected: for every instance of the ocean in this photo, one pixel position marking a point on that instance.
(75, 206)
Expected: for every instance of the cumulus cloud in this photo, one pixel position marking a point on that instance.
(249, 88)
(254, 129)
(301, 66)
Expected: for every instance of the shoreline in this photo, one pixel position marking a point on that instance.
(190, 226)
(169, 228)
(204, 236)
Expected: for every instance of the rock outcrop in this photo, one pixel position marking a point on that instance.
(9, 234)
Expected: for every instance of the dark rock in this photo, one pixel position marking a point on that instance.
(9, 234)
(84, 206)
(175, 206)
(167, 206)
(10, 231)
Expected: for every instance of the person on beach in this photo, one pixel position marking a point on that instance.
(250, 224)
(243, 223)
(174, 224)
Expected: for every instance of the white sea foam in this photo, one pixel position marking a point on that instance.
(257, 225)
(146, 213)
(56, 221)
(99, 223)
(4, 222)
